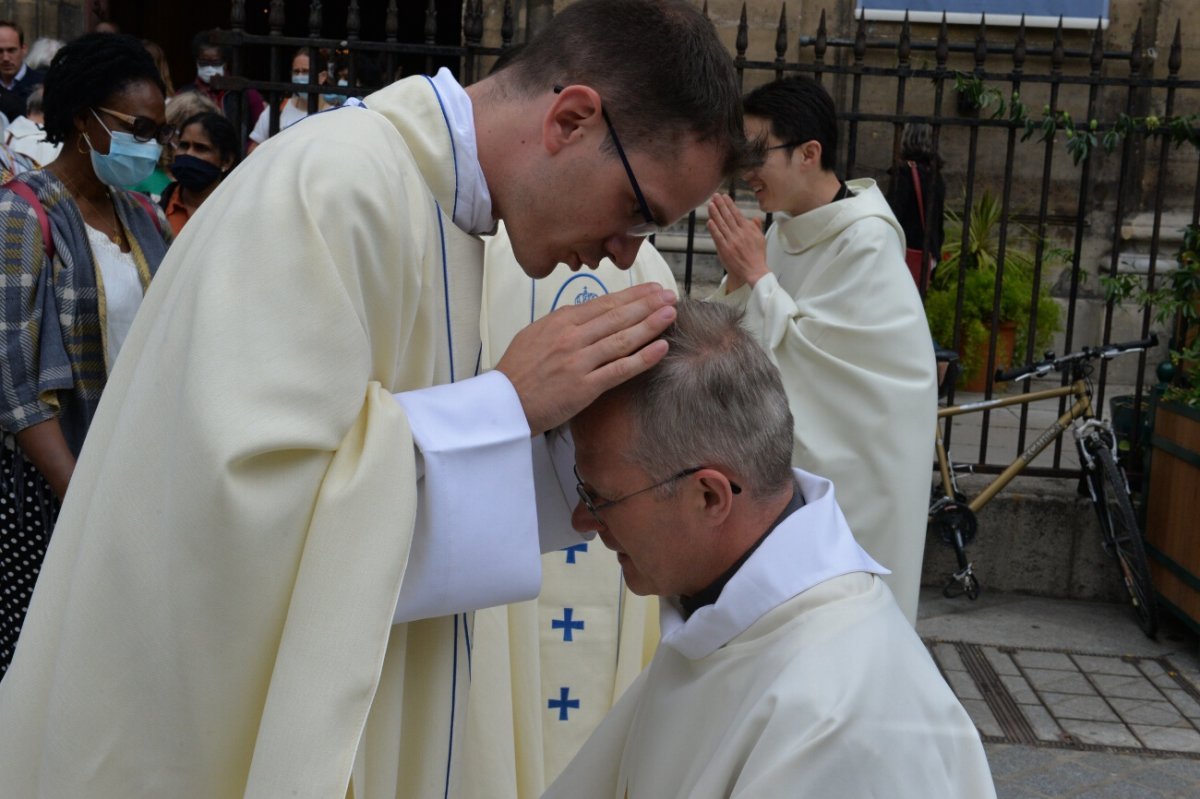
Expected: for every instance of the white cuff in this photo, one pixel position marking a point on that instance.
(475, 542)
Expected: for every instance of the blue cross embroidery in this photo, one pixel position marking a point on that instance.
(562, 704)
(566, 624)
(571, 550)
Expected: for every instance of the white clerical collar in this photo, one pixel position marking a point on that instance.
(20, 74)
(811, 546)
(473, 210)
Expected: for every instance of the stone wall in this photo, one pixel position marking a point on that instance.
(57, 19)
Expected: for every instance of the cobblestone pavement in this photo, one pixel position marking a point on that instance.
(1070, 699)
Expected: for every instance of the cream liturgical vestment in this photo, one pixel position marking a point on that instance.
(550, 669)
(802, 680)
(842, 319)
(249, 515)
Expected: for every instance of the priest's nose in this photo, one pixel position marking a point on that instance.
(623, 249)
(582, 519)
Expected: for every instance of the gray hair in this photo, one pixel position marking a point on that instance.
(714, 400)
(42, 52)
(33, 103)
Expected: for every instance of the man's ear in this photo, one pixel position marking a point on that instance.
(810, 153)
(714, 495)
(574, 112)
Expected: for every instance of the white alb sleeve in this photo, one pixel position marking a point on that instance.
(475, 542)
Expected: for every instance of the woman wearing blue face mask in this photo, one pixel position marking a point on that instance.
(205, 151)
(295, 108)
(78, 254)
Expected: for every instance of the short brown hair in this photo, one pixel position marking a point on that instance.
(658, 65)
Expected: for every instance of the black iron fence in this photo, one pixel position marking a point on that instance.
(1064, 159)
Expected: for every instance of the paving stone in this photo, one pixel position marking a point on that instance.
(981, 714)
(1094, 664)
(1000, 661)
(1042, 723)
(1158, 714)
(1019, 689)
(1127, 687)
(1044, 660)
(963, 685)
(1099, 732)
(1063, 682)
(1187, 705)
(948, 658)
(1072, 706)
(1168, 739)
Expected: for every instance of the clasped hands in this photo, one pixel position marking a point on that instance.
(562, 362)
(740, 243)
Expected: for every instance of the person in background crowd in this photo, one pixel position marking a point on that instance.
(205, 151)
(17, 78)
(42, 52)
(211, 62)
(27, 136)
(65, 320)
(107, 26)
(164, 69)
(827, 294)
(156, 182)
(917, 196)
(295, 108)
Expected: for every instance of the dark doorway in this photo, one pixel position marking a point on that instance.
(172, 25)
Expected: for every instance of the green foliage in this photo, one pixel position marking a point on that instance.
(1175, 301)
(1082, 139)
(979, 268)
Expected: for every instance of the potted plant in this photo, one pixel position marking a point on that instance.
(978, 266)
(1173, 486)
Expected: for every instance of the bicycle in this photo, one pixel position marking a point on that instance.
(952, 516)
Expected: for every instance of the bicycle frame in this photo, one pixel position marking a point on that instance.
(1082, 408)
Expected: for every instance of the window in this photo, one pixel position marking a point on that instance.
(1038, 13)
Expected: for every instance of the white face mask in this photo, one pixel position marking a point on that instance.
(301, 77)
(207, 73)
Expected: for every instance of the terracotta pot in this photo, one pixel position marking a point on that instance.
(1006, 340)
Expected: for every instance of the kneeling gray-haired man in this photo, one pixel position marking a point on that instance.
(786, 668)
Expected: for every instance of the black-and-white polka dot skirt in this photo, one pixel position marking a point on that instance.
(28, 508)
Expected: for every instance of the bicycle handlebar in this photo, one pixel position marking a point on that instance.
(1106, 352)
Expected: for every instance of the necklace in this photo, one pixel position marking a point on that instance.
(116, 236)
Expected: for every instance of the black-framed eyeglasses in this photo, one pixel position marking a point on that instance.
(594, 505)
(143, 128)
(650, 226)
(786, 146)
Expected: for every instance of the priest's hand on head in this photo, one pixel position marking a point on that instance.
(562, 362)
(740, 243)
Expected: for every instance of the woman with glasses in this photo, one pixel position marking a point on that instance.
(78, 253)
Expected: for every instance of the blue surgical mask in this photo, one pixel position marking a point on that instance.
(128, 162)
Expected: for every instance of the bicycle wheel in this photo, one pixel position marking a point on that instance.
(1119, 527)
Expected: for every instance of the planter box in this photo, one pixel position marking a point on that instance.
(1173, 510)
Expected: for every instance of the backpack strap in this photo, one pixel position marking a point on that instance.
(27, 194)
